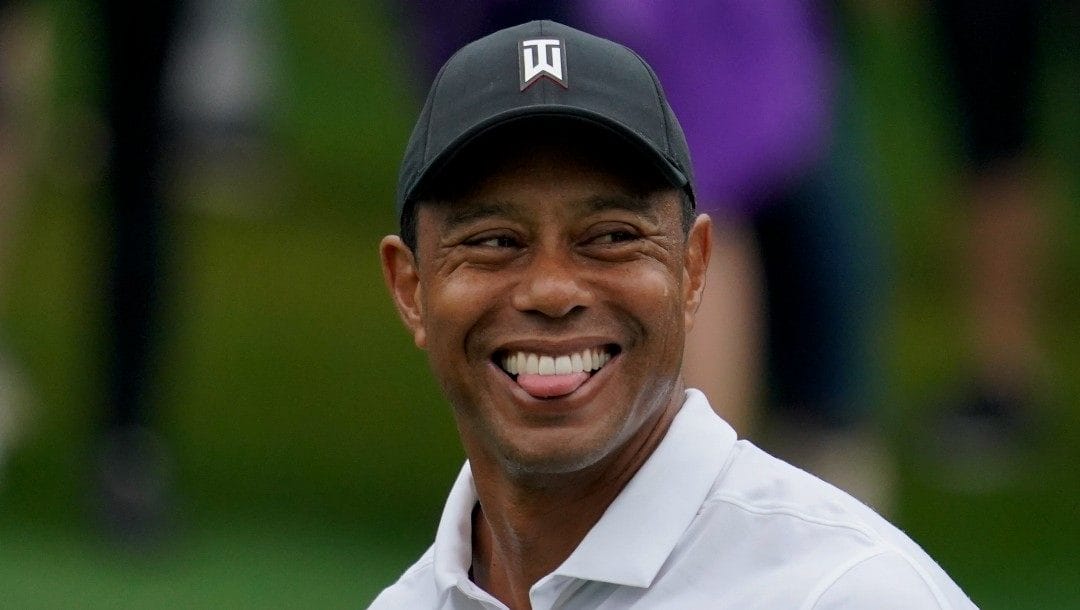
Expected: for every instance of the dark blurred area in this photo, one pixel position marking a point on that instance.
(207, 399)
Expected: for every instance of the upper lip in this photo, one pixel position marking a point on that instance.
(553, 347)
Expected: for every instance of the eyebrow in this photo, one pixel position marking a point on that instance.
(463, 214)
(637, 205)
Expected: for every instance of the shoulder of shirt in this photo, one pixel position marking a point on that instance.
(414, 589)
(878, 572)
(755, 482)
(885, 579)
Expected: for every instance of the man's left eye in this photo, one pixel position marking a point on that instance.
(615, 237)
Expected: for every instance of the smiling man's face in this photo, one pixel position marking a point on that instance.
(553, 298)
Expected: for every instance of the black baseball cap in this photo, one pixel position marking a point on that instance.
(545, 70)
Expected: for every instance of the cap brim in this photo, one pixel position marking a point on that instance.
(462, 143)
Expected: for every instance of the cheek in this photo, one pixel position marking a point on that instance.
(653, 289)
(453, 309)
(465, 293)
(652, 301)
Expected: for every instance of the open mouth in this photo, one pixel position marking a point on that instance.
(549, 376)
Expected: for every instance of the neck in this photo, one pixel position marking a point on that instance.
(524, 528)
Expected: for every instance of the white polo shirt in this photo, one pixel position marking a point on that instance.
(708, 522)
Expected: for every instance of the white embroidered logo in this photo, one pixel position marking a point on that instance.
(542, 57)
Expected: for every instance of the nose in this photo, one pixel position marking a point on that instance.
(552, 285)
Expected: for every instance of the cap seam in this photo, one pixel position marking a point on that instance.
(659, 102)
(431, 104)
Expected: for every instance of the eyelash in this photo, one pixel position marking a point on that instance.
(501, 241)
(615, 237)
(606, 238)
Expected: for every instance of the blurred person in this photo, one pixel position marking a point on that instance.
(131, 462)
(184, 83)
(219, 88)
(990, 48)
(792, 301)
(550, 263)
(25, 67)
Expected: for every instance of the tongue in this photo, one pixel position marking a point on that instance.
(548, 386)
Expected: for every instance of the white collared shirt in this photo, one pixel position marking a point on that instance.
(707, 522)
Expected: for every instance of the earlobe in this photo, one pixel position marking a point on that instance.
(403, 281)
(698, 251)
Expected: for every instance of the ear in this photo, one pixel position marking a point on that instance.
(403, 280)
(698, 250)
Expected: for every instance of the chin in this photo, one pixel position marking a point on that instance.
(559, 456)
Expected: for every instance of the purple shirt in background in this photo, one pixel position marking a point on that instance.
(750, 80)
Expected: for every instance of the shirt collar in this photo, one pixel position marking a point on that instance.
(453, 540)
(662, 499)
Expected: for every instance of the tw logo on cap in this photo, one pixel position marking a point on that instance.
(542, 57)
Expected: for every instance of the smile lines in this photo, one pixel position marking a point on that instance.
(587, 360)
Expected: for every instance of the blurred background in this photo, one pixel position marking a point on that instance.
(206, 398)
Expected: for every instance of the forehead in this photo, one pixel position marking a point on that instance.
(553, 187)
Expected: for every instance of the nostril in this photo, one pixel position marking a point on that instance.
(550, 291)
(548, 306)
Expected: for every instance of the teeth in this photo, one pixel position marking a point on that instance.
(563, 365)
(547, 365)
(591, 359)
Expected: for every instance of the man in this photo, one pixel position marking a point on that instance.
(550, 262)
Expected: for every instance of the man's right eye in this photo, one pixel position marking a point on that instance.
(494, 241)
